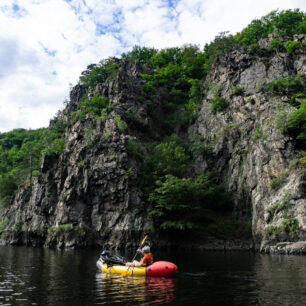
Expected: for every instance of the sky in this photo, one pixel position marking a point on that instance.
(46, 44)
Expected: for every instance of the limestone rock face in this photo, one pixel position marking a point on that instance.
(86, 196)
(83, 196)
(248, 150)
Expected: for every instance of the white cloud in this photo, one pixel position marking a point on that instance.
(45, 44)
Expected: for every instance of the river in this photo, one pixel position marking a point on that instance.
(34, 276)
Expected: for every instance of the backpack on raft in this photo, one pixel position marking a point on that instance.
(112, 260)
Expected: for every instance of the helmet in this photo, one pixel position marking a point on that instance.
(145, 249)
(105, 253)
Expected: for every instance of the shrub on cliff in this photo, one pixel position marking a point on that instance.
(94, 105)
(287, 87)
(297, 123)
(222, 43)
(218, 104)
(98, 73)
(292, 46)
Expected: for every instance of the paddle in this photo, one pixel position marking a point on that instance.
(125, 273)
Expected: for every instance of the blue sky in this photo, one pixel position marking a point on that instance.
(46, 44)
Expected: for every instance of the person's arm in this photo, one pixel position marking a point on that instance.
(139, 251)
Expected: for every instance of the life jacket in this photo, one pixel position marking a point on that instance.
(147, 259)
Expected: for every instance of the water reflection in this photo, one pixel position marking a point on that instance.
(282, 279)
(135, 290)
(31, 276)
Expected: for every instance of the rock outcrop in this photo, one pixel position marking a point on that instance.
(83, 196)
(248, 150)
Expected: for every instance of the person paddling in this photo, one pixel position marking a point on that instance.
(146, 260)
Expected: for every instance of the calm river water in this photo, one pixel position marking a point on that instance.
(32, 276)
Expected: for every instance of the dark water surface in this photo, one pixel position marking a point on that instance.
(32, 276)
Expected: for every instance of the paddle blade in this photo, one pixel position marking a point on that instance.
(144, 239)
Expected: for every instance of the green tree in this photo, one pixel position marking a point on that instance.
(170, 157)
(98, 73)
(182, 203)
(279, 23)
(8, 186)
(140, 54)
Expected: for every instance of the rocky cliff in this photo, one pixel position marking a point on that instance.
(249, 151)
(83, 197)
(87, 194)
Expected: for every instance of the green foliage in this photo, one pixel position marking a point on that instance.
(104, 115)
(180, 203)
(17, 146)
(52, 138)
(98, 73)
(170, 157)
(226, 131)
(221, 44)
(133, 120)
(3, 225)
(129, 172)
(289, 225)
(176, 76)
(280, 206)
(120, 123)
(198, 149)
(218, 104)
(279, 23)
(297, 123)
(254, 49)
(257, 135)
(300, 161)
(21, 152)
(134, 150)
(66, 229)
(191, 111)
(279, 181)
(292, 46)
(236, 90)
(195, 98)
(107, 135)
(36, 173)
(276, 45)
(281, 117)
(52, 144)
(286, 86)
(94, 106)
(293, 122)
(140, 54)
(8, 186)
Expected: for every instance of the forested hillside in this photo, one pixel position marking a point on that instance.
(148, 141)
